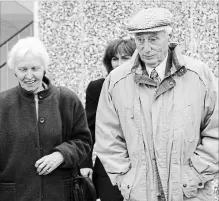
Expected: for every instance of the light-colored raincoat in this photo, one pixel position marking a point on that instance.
(175, 123)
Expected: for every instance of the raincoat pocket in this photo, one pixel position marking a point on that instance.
(191, 182)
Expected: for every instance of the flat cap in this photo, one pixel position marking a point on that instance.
(150, 20)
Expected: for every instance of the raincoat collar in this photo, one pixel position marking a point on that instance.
(175, 65)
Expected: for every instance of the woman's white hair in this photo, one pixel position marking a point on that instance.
(26, 45)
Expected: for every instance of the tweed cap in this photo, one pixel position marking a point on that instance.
(150, 20)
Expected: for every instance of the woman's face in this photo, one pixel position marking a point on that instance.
(119, 59)
(29, 71)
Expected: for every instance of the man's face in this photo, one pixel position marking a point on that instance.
(152, 47)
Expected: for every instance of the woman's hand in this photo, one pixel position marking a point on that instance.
(48, 163)
(86, 172)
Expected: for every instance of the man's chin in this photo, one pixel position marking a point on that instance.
(151, 64)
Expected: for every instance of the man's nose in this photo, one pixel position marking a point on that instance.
(147, 47)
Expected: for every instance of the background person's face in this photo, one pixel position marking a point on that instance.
(152, 47)
(119, 59)
(29, 71)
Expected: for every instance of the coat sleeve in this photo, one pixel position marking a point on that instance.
(77, 138)
(206, 157)
(110, 145)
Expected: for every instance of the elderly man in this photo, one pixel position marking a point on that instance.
(157, 119)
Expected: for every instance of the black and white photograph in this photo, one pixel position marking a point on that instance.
(109, 100)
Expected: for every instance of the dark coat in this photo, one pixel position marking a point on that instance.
(24, 140)
(103, 185)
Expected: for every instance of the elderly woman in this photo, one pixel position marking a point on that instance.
(41, 140)
(117, 52)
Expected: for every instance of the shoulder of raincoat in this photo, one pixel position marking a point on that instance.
(119, 118)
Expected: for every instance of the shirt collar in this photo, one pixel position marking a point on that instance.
(160, 68)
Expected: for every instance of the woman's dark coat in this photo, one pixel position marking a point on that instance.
(24, 140)
(103, 185)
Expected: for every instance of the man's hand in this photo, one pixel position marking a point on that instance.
(86, 172)
(48, 163)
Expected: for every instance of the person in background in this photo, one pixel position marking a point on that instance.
(39, 149)
(117, 52)
(157, 118)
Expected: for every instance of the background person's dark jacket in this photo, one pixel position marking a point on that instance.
(24, 140)
(105, 190)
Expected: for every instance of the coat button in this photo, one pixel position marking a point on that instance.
(200, 184)
(184, 185)
(128, 186)
(42, 120)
